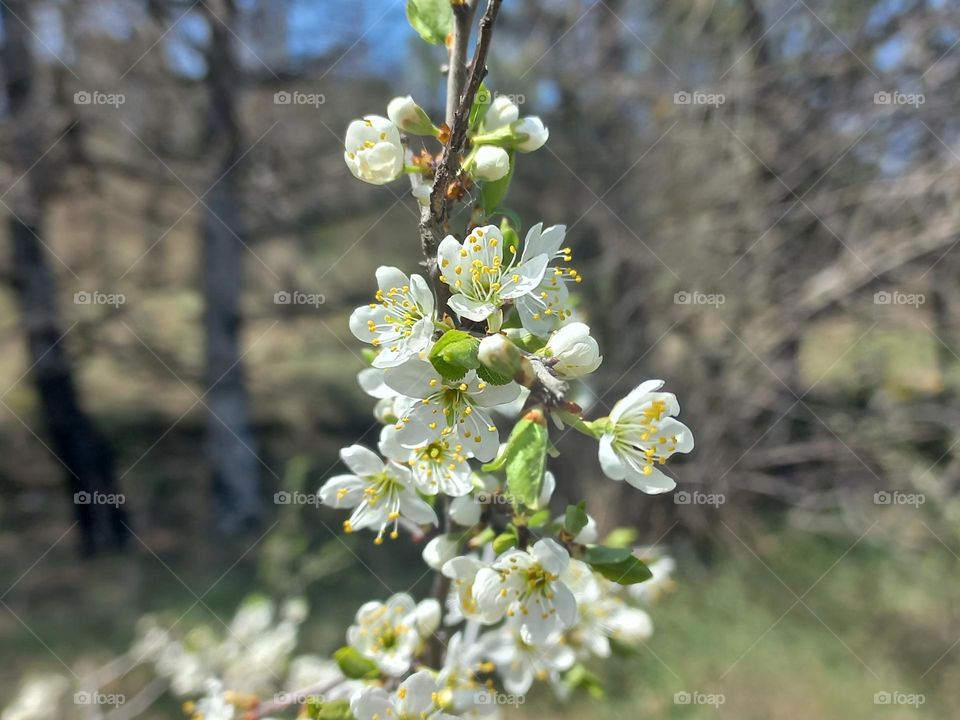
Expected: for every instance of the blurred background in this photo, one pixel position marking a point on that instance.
(761, 196)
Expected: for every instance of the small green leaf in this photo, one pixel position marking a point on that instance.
(579, 678)
(455, 353)
(539, 519)
(482, 538)
(493, 193)
(603, 555)
(527, 458)
(354, 665)
(576, 518)
(617, 564)
(492, 376)
(505, 540)
(621, 537)
(481, 103)
(432, 19)
(333, 710)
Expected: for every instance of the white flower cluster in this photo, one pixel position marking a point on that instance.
(454, 355)
(376, 148)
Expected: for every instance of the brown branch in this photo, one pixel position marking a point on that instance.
(433, 218)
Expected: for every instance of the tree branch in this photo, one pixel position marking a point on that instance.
(433, 218)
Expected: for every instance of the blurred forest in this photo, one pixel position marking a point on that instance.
(763, 196)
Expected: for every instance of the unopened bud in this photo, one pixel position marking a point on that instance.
(409, 117)
(500, 355)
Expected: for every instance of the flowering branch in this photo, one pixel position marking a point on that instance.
(433, 218)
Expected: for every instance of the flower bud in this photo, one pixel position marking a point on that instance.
(574, 351)
(500, 355)
(372, 150)
(427, 616)
(502, 112)
(439, 550)
(465, 510)
(409, 117)
(536, 134)
(490, 163)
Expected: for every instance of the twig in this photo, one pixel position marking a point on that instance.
(457, 72)
(433, 218)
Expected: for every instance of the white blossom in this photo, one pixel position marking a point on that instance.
(37, 699)
(534, 132)
(462, 572)
(465, 510)
(642, 433)
(573, 351)
(603, 614)
(490, 163)
(446, 408)
(381, 493)
(547, 306)
(526, 585)
(373, 151)
(438, 465)
(214, 705)
(461, 690)
(439, 550)
(400, 323)
(519, 663)
(479, 278)
(388, 633)
(415, 699)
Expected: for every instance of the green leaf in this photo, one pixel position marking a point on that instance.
(354, 665)
(539, 519)
(505, 540)
(334, 710)
(492, 376)
(603, 555)
(617, 564)
(575, 519)
(455, 353)
(432, 19)
(579, 678)
(482, 538)
(527, 458)
(481, 103)
(621, 537)
(493, 193)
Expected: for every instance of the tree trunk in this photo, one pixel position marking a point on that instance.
(75, 441)
(230, 447)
